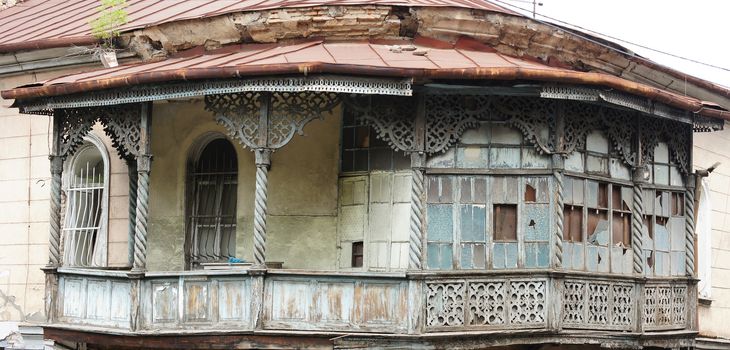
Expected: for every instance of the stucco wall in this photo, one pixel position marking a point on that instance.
(710, 148)
(302, 190)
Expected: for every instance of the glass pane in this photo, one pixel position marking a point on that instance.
(504, 157)
(661, 153)
(597, 164)
(440, 222)
(440, 189)
(597, 142)
(473, 189)
(661, 174)
(381, 159)
(360, 161)
(574, 162)
(473, 222)
(471, 157)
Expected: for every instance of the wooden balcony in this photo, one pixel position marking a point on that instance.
(426, 305)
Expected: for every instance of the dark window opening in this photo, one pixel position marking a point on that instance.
(357, 254)
(505, 222)
(213, 209)
(602, 195)
(573, 223)
(530, 194)
(597, 227)
(621, 229)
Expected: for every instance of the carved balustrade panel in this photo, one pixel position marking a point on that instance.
(487, 304)
(666, 306)
(589, 304)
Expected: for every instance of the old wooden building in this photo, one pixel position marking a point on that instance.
(401, 174)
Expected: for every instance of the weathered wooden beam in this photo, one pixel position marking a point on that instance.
(418, 165)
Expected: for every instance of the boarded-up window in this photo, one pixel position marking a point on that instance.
(212, 220)
(573, 223)
(505, 222)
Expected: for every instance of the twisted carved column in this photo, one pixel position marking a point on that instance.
(54, 256)
(417, 211)
(559, 203)
(263, 161)
(689, 227)
(637, 222)
(133, 178)
(142, 210)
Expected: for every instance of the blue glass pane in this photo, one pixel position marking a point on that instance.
(473, 222)
(440, 222)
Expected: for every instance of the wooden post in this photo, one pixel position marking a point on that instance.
(689, 227)
(133, 178)
(263, 162)
(637, 222)
(558, 167)
(144, 163)
(418, 165)
(54, 246)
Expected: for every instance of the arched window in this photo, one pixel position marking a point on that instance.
(212, 218)
(86, 206)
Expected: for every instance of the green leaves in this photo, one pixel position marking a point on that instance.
(112, 15)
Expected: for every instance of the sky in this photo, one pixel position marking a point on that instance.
(698, 29)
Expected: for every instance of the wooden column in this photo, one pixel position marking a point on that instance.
(133, 178)
(144, 162)
(637, 222)
(689, 227)
(263, 163)
(418, 166)
(54, 244)
(558, 168)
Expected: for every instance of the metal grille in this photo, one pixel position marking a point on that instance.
(213, 218)
(83, 216)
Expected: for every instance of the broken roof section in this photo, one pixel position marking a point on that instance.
(37, 24)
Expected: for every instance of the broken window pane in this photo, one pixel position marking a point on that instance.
(597, 227)
(677, 204)
(621, 229)
(530, 194)
(505, 222)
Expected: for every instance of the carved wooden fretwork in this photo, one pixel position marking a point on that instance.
(292, 111)
(239, 114)
(75, 124)
(447, 117)
(620, 130)
(393, 118)
(665, 306)
(499, 303)
(533, 117)
(286, 114)
(121, 123)
(598, 305)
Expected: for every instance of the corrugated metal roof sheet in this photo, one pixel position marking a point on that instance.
(365, 54)
(44, 20)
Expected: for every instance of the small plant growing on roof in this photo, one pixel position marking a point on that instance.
(112, 16)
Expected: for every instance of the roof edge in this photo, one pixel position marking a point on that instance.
(495, 73)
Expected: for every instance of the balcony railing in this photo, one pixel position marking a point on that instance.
(407, 303)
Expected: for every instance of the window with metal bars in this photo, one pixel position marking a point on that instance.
(85, 209)
(212, 218)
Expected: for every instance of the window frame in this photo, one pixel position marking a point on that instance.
(99, 258)
(194, 156)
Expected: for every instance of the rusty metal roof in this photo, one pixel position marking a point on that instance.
(35, 24)
(424, 59)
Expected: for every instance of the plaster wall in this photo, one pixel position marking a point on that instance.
(24, 201)
(302, 197)
(708, 149)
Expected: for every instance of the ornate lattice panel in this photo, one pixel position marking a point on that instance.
(527, 302)
(486, 304)
(598, 304)
(665, 306)
(574, 302)
(445, 304)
